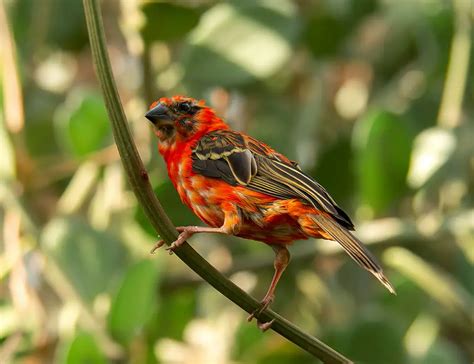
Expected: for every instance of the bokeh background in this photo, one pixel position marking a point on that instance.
(374, 98)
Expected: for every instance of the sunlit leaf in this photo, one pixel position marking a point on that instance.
(432, 148)
(135, 301)
(236, 43)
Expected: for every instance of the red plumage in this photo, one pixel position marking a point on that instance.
(238, 185)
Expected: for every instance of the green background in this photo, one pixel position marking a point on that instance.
(373, 98)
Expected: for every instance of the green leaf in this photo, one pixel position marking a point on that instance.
(71, 34)
(167, 21)
(175, 312)
(373, 341)
(83, 349)
(82, 125)
(382, 150)
(135, 301)
(239, 42)
(334, 171)
(325, 34)
(247, 343)
(39, 123)
(91, 260)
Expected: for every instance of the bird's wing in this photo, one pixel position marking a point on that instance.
(242, 160)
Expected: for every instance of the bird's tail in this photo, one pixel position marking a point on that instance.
(353, 247)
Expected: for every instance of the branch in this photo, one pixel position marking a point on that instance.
(140, 185)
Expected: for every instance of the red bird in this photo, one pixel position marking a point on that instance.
(240, 186)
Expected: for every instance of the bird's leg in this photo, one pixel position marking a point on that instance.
(231, 225)
(282, 258)
(185, 233)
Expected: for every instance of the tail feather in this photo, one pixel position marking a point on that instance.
(354, 248)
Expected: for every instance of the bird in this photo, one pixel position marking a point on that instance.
(238, 185)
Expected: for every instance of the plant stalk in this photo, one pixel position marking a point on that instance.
(140, 185)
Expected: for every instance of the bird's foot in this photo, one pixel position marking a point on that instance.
(182, 237)
(157, 246)
(264, 326)
(265, 303)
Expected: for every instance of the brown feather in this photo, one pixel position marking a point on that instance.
(353, 247)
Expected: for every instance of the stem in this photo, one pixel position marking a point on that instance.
(450, 111)
(140, 185)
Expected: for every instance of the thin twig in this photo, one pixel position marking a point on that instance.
(140, 185)
(449, 115)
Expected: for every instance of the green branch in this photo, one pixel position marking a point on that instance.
(140, 185)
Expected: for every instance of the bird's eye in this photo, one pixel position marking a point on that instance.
(185, 107)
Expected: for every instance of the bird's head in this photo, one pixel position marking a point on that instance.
(180, 118)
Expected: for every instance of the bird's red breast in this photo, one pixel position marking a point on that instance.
(235, 182)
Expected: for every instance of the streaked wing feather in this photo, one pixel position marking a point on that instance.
(300, 183)
(242, 160)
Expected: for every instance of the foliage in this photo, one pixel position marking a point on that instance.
(357, 91)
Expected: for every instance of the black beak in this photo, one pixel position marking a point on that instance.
(158, 113)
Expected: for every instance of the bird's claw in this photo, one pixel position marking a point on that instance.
(172, 247)
(266, 302)
(183, 235)
(157, 246)
(264, 326)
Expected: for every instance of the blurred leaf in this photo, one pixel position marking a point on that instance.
(247, 342)
(442, 352)
(67, 25)
(382, 150)
(374, 342)
(10, 321)
(370, 338)
(272, 123)
(175, 312)
(325, 33)
(179, 213)
(167, 21)
(332, 22)
(7, 156)
(432, 148)
(439, 285)
(91, 260)
(334, 171)
(135, 301)
(82, 124)
(238, 42)
(83, 349)
(39, 110)
(285, 355)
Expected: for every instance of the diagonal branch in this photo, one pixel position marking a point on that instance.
(140, 185)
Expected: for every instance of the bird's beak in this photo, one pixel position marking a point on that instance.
(159, 115)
